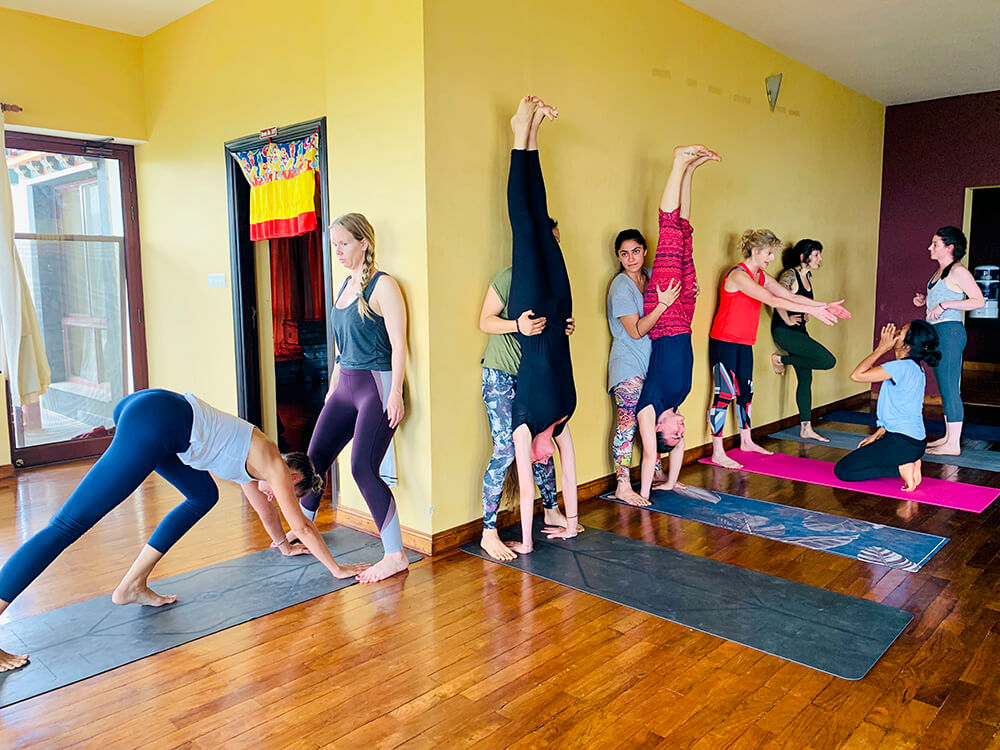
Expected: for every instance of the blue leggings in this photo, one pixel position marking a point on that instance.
(153, 427)
(948, 373)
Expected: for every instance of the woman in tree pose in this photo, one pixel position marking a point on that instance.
(804, 353)
(899, 440)
(734, 332)
(546, 395)
(365, 400)
(950, 291)
(182, 439)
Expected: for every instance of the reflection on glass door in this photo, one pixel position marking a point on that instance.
(72, 237)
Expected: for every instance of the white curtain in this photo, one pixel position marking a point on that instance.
(22, 353)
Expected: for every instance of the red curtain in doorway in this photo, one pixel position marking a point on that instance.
(296, 287)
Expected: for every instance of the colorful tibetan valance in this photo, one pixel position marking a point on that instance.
(282, 179)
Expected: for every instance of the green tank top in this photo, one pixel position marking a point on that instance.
(502, 350)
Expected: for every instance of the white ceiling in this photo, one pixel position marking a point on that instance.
(895, 51)
(138, 17)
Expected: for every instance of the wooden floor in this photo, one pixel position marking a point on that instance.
(464, 653)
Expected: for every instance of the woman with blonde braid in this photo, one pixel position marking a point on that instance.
(365, 401)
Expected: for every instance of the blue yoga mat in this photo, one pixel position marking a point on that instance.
(971, 458)
(831, 632)
(85, 639)
(847, 537)
(933, 426)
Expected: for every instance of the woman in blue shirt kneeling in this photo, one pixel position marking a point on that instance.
(899, 441)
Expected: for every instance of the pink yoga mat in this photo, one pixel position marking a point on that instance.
(957, 495)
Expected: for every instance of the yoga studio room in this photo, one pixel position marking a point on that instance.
(500, 374)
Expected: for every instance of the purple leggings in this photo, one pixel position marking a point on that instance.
(356, 410)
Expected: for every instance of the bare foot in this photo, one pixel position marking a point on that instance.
(690, 154)
(751, 447)
(389, 565)
(351, 571)
(806, 431)
(12, 661)
(777, 364)
(554, 517)
(939, 441)
(139, 593)
(945, 449)
(626, 494)
(521, 121)
(721, 459)
(908, 473)
(495, 548)
(520, 548)
(669, 486)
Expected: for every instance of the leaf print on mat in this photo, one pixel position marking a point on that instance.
(843, 525)
(883, 556)
(821, 542)
(750, 524)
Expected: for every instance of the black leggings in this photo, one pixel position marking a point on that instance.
(539, 282)
(880, 459)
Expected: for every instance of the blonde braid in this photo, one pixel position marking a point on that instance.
(367, 271)
(362, 230)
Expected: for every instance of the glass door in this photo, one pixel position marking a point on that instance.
(77, 238)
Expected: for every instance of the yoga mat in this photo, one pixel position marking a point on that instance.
(836, 634)
(956, 495)
(848, 537)
(971, 458)
(85, 639)
(933, 426)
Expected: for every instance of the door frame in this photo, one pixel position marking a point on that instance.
(125, 155)
(243, 269)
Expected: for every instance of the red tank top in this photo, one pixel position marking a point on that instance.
(738, 314)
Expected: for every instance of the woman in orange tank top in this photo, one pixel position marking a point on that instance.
(734, 332)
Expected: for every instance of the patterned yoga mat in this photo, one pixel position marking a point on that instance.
(848, 537)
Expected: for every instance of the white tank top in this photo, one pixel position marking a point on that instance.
(220, 442)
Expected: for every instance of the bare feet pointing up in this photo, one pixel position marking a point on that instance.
(520, 123)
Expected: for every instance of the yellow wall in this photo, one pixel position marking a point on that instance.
(71, 77)
(632, 80)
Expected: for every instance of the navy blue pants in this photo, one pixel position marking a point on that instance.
(153, 426)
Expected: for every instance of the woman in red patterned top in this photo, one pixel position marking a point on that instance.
(734, 332)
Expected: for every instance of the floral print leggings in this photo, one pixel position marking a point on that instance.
(626, 395)
(499, 388)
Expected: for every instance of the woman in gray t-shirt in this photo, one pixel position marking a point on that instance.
(630, 348)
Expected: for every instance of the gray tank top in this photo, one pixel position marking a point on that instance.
(362, 344)
(938, 292)
(220, 442)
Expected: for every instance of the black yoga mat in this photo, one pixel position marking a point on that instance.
(836, 634)
(85, 639)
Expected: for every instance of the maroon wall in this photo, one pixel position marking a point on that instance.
(933, 151)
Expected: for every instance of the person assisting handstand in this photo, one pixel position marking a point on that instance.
(182, 439)
(734, 332)
(668, 377)
(546, 395)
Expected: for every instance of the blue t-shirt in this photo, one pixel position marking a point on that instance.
(901, 400)
(629, 357)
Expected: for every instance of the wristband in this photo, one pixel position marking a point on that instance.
(517, 325)
(278, 544)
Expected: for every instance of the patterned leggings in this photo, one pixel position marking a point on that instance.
(499, 388)
(626, 395)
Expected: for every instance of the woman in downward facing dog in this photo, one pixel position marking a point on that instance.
(365, 401)
(182, 439)
(734, 331)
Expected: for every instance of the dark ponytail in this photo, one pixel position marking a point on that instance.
(310, 481)
(923, 342)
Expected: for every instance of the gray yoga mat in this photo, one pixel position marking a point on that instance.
(836, 634)
(971, 458)
(85, 639)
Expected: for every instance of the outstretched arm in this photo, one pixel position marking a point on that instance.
(271, 520)
(742, 282)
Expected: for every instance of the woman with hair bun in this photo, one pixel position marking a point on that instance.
(365, 401)
(899, 442)
(182, 439)
(802, 352)
(734, 332)
(950, 291)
